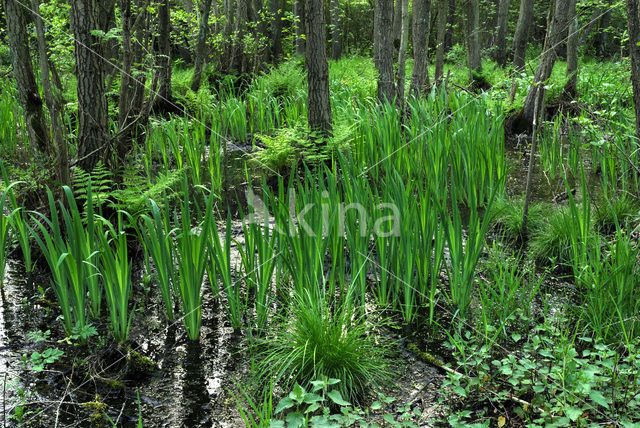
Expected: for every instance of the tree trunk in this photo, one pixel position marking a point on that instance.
(201, 49)
(276, 30)
(237, 51)
(318, 100)
(602, 39)
(421, 31)
(164, 55)
(54, 101)
(521, 36)
(383, 34)
(633, 23)
(397, 24)
(28, 92)
(443, 11)
(571, 87)
(501, 33)
(547, 59)
(336, 30)
(451, 22)
(299, 18)
(473, 41)
(402, 55)
(126, 83)
(93, 128)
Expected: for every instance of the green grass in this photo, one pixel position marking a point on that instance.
(313, 341)
(508, 213)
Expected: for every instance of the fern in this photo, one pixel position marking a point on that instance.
(132, 196)
(101, 185)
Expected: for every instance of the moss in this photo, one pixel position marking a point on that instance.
(99, 409)
(139, 363)
(424, 356)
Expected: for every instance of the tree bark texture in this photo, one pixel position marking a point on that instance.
(201, 49)
(521, 36)
(318, 100)
(547, 59)
(633, 23)
(93, 128)
(383, 38)
(473, 40)
(164, 53)
(28, 92)
(501, 33)
(54, 101)
(276, 7)
(571, 87)
(402, 55)
(420, 33)
(443, 11)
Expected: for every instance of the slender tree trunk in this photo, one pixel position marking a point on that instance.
(237, 50)
(227, 29)
(28, 92)
(547, 59)
(276, 30)
(397, 24)
(383, 35)
(501, 33)
(440, 39)
(633, 23)
(126, 83)
(318, 100)
(201, 49)
(602, 39)
(54, 101)
(421, 30)
(164, 54)
(92, 103)
(451, 22)
(571, 87)
(336, 30)
(299, 18)
(473, 41)
(521, 36)
(402, 55)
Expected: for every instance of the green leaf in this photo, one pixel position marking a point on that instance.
(597, 397)
(285, 403)
(295, 420)
(336, 397)
(311, 398)
(573, 413)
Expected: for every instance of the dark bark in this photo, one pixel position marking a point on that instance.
(93, 128)
(502, 20)
(201, 49)
(397, 24)
(571, 87)
(443, 11)
(237, 61)
(53, 100)
(164, 55)
(451, 22)
(420, 33)
(276, 30)
(318, 100)
(633, 24)
(473, 41)
(602, 38)
(548, 57)
(402, 55)
(28, 92)
(521, 36)
(383, 38)
(126, 83)
(299, 16)
(336, 30)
